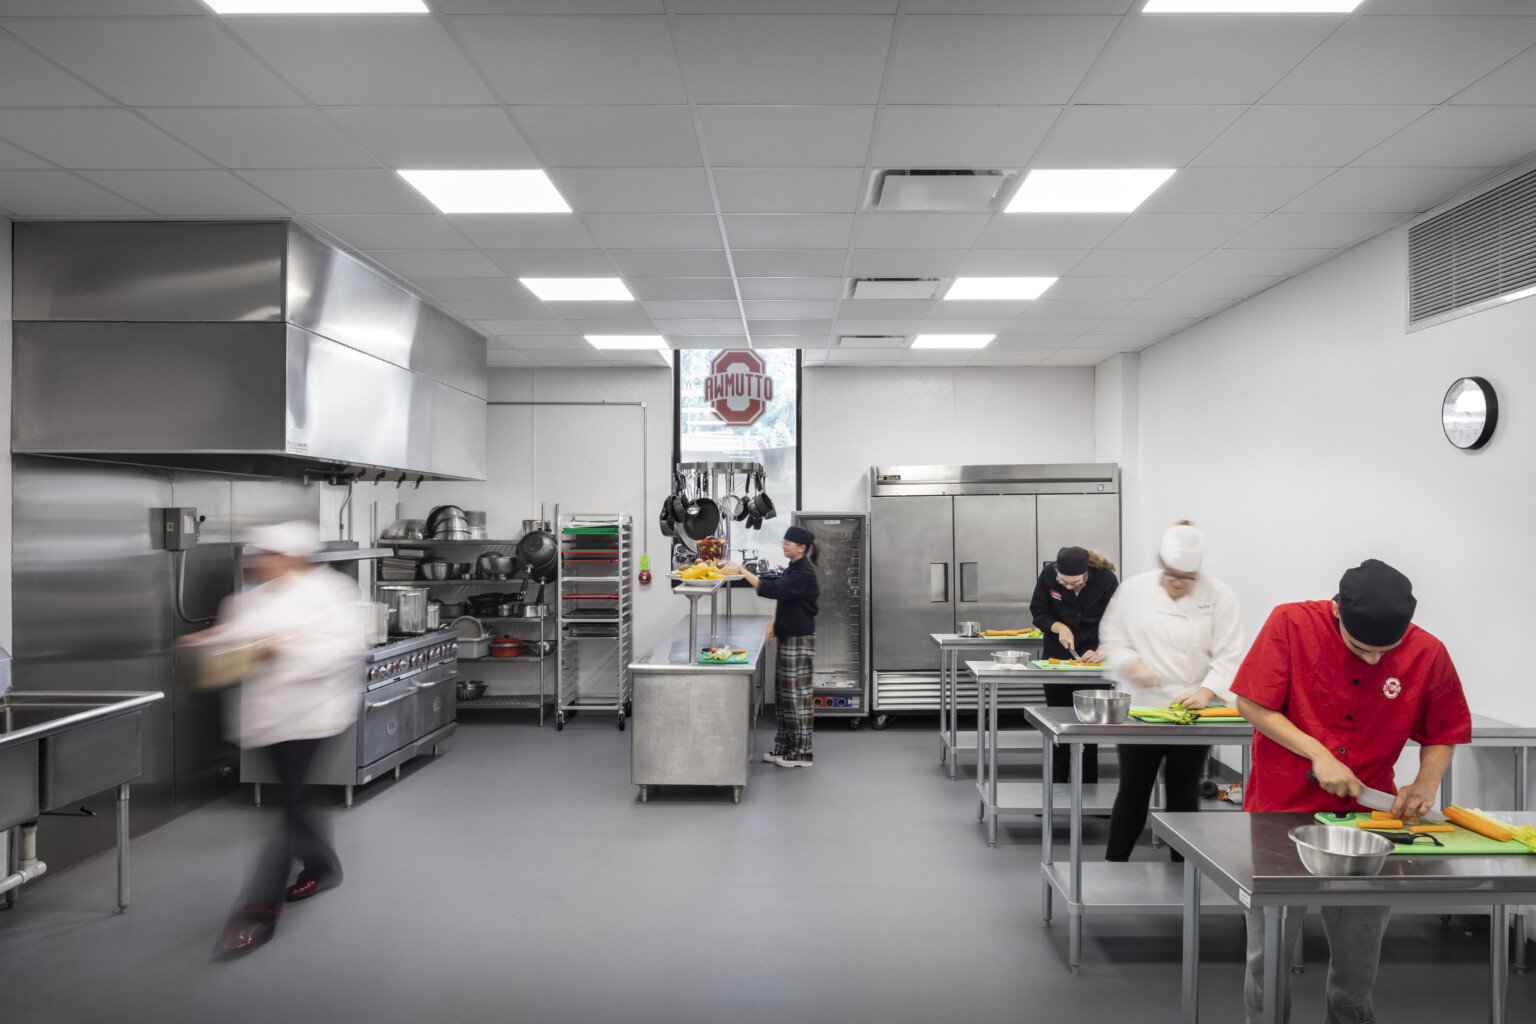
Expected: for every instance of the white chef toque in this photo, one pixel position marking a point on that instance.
(295, 539)
(1182, 548)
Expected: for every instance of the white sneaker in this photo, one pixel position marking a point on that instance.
(804, 761)
(771, 757)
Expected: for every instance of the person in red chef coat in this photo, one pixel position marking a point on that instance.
(1339, 688)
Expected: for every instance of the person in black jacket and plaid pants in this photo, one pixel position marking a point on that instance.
(794, 625)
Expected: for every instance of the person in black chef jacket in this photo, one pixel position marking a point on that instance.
(794, 624)
(1070, 597)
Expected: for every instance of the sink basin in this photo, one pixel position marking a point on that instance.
(63, 746)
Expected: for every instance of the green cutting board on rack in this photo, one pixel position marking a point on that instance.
(1462, 841)
(592, 531)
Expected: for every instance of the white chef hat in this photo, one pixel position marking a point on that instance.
(1182, 548)
(296, 539)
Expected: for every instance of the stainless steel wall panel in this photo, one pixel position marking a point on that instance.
(1090, 521)
(149, 270)
(994, 559)
(912, 580)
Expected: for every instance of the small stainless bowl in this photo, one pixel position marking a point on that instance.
(1101, 707)
(1010, 657)
(460, 570)
(1335, 850)
(969, 629)
(471, 689)
(434, 570)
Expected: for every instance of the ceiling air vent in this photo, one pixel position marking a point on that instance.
(1477, 254)
(893, 287)
(937, 191)
(871, 341)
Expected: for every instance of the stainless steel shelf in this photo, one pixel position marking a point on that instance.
(397, 543)
(507, 702)
(1134, 887)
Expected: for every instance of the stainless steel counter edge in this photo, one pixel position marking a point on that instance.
(120, 702)
(1053, 721)
(987, 669)
(744, 632)
(956, 640)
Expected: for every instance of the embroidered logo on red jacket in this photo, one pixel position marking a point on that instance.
(1055, 595)
(1392, 688)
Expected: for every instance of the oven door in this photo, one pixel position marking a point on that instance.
(435, 698)
(389, 718)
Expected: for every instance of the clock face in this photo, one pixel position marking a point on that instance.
(1469, 413)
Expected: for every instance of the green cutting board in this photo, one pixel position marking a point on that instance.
(1045, 663)
(1200, 721)
(1460, 841)
(735, 659)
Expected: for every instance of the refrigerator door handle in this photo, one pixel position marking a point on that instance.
(968, 581)
(938, 582)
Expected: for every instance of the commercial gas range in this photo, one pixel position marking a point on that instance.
(407, 705)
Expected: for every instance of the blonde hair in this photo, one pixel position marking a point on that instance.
(1098, 561)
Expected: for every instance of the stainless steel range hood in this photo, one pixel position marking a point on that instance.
(248, 348)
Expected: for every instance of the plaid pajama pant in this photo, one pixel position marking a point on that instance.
(792, 671)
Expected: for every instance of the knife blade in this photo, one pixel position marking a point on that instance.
(1376, 800)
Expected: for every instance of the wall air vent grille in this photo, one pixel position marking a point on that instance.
(1474, 255)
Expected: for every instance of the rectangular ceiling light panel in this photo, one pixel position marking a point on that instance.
(997, 289)
(317, 6)
(1087, 191)
(1250, 6)
(577, 289)
(523, 191)
(627, 341)
(952, 340)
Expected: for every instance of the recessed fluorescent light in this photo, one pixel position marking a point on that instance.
(952, 340)
(488, 191)
(1088, 191)
(1523, 293)
(1250, 6)
(578, 289)
(317, 6)
(630, 341)
(997, 288)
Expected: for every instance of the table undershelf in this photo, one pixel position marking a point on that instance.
(1135, 887)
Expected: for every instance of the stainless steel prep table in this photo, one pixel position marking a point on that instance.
(1249, 859)
(693, 724)
(1129, 888)
(951, 739)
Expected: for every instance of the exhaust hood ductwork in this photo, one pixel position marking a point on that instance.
(246, 348)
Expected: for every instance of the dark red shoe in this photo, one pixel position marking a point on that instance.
(310, 883)
(252, 927)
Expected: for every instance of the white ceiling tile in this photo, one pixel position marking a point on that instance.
(918, 230)
(654, 230)
(686, 309)
(1232, 189)
(1049, 230)
(1143, 325)
(974, 311)
(507, 358)
(1003, 60)
(829, 136)
(1117, 342)
(386, 231)
(1256, 262)
(1095, 288)
(1039, 344)
(630, 313)
(783, 59)
(805, 342)
(1404, 59)
(575, 135)
(451, 289)
(1073, 309)
(507, 316)
(887, 327)
(1080, 357)
(789, 231)
(1461, 137)
(950, 136)
(443, 138)
(437, 263)
(791, 287)
(1385, 189)
(1052, 325)
(1136, 262)
(1179, 230)
(547, 333)
(1515, 82)
(954, 325)
(294, 137)
(522, 230)
(716, 288)
(862, 357)
(28, 80)
(158, 62)
(1021, 262)
(634, 190)
(876, 308)
(1201, 58)
(14, 159)
(705, 341)
(540, 60)
(1189, 288)
(905, 262)
(1173, 308)
(1133, 136)
(789, 262)
(96, 139)
(190, 193)
(553, 262)
(770, 309)
(785, 6)
(1449, 7)
(1305, 136)
(713, 328)
(671, 262)
(1312, 230)
(788, 189)
(788, 328)
(338, 191)
(59, 194)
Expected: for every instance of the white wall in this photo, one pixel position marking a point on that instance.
(854, 418)
(1117, 438)
(1301, 431)
(5, 432)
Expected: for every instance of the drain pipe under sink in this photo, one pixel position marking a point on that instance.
(30, 866)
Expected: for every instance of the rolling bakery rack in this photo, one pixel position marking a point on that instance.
(596, 614)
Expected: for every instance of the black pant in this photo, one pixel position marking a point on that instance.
(301, 837)
(1061, 758)
(1138, 775)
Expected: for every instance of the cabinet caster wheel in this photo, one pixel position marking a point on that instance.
(855, 724)
(736, 794)
(559, 723)
(1297, 970)
(645, 794)
(880, 721)
(621, 723)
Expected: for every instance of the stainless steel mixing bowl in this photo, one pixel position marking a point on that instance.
(1101, 707)
(1335, 850)
(1010, 657)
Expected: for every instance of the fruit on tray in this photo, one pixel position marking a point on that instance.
(700, 571)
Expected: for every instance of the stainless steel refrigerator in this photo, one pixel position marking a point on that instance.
(957, 543)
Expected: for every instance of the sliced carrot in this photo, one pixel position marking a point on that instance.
(1473, 823)
(1431, 828)
(1382, 816)
(1218, 713)
(1385, 826)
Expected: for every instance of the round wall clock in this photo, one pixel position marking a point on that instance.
(1469, 413)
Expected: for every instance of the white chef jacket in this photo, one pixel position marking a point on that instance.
(309, 688)
(1189, 643)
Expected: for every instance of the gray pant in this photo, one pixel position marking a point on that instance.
(1354, 953)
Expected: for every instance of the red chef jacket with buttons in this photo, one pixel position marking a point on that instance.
(1364, 714)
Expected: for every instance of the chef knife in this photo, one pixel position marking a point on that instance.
(1376, 800)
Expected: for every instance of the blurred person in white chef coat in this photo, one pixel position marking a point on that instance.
(1170, 636)
(304, 622)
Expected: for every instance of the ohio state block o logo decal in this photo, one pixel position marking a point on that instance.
(738, 388)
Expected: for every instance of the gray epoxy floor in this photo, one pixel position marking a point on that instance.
(518, 878)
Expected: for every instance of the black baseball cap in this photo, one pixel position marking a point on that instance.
(1376, 603)
(1072, 561)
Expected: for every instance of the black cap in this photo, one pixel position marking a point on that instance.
(1072, 561)
(800, 535)
(1376, 603)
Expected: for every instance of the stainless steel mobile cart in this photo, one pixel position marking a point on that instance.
(596, 599)
(951, 739)
(840, 680)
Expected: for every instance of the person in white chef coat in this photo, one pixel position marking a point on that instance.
(1170, 636)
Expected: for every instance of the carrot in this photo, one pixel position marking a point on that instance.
(1382, 816)
(1218, 713)
(1490, 819)
(1473, 823)
(1385, 826)
(1431, 828)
